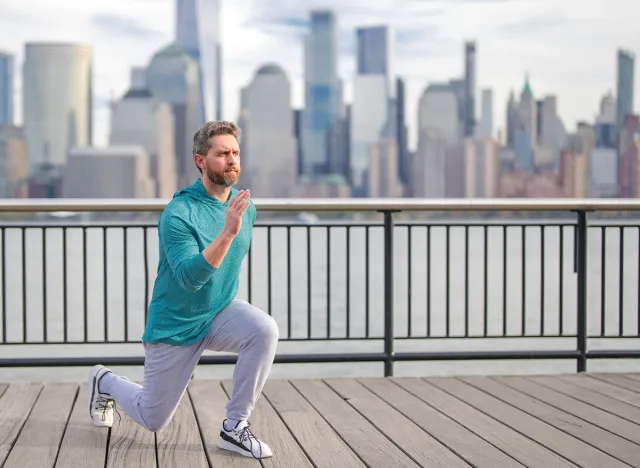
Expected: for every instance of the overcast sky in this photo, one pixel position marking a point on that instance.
(568, 47)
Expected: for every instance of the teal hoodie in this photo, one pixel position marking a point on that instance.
(188, 291)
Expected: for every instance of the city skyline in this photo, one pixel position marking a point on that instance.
(545, 40)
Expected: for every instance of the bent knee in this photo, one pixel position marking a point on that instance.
(156, 422)
(268, 330)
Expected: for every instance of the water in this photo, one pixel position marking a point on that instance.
(534, 299)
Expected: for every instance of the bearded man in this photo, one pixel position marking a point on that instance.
(204, 235)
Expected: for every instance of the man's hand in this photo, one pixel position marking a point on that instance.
(237, 207)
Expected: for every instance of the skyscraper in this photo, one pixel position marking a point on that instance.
(486, 120)
(323, 90)
(469, 88)
(198, 34)
(268, 144)
(374, 51)
(6, 89)
(626, 65)
(172, 76)
(56, 101)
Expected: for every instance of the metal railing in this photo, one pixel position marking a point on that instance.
(387, 281)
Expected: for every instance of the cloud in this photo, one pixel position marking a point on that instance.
(114, 24)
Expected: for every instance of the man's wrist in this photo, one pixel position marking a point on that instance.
(225, 235)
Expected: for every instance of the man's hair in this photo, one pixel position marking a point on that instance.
(202, 138)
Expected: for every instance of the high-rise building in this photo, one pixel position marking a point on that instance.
(429, 166)
(141, 120)
(482, 166)
(172, 77)
(629, 163)
(113, 172)
(373, 116)
(485, 129)
(402, 133)
(511, 120)
(13, 162)
(604, 173)
(57, 101)
(6, 88)
(438, 110)
(383, 170)
(323, 90)
(469, 89)
(198, 34)
(268, 145)
(606, 128)
(626, 64)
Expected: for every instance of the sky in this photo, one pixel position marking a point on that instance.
(567, 47)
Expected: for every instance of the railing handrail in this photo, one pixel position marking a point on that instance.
(332, 204)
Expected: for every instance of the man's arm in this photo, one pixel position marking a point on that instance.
(183, 253)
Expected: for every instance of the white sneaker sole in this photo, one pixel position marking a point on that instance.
(223, 444)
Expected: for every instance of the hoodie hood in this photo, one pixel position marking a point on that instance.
(196, 191)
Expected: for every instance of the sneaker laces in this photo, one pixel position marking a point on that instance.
(103, 404)
(245, 434)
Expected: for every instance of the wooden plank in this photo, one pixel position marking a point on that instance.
(606, 403)
(604, 388)
(584, 411)
(370, 444)
(130, 444)
(420, 445)
(619, 380)
(179, 444)
(515, 410)
(633, 376)
(209, 400)
(83, 445)
(472, 448)
(15, 405)
(521, 448)
(3, 387)
(39, 442)
(266, 423)
(320, 442)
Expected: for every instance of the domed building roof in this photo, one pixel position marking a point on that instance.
(270, 69)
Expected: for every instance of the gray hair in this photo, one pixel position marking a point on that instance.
(202, 138)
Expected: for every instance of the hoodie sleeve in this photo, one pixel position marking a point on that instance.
(183, 253)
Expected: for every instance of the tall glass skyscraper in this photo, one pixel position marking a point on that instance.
(6, 89)
(626, 61)
(323, 91)
(198, 34)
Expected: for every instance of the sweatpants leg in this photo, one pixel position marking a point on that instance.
(244, 329)
(167, 372)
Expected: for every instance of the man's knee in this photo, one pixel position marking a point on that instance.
(267, 331)
(156, 419)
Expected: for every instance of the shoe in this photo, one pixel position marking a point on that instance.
(101, 405)
(240, 439)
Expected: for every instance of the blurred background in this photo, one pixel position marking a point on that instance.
(437, 98)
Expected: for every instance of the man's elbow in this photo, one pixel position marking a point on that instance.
(187, 283)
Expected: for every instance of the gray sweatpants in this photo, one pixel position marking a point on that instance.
(239, 328)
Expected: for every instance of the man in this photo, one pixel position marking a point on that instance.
(204, 235)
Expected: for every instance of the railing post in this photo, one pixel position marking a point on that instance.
(581, 267)
(388, 293)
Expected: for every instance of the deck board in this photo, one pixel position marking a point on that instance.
(373, 447)
(306, 423)
(83, 445)
(612, 405)
(547, 425)
(209, 400)
(519, 447)
(266, 424)
(180, 444)
(473, 449)
(587, 413)
(39, 441)
(486, 422)
(15, 405)
(420, 445)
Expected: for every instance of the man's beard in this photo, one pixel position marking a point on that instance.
(226, 178)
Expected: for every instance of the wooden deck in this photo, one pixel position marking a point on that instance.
(544, 421)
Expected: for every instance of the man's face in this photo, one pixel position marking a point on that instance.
(222, 163)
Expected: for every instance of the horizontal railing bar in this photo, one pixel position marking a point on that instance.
(301, 358)
(334, 204)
